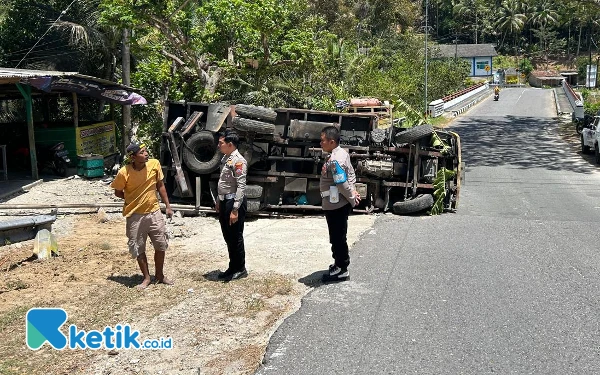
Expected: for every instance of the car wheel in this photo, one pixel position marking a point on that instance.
(584, 149)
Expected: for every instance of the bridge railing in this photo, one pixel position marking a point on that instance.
(575, 99)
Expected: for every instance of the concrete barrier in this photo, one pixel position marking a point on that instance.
(575, 99)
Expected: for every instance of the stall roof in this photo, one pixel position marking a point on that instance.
(56, 81)
(9, 75)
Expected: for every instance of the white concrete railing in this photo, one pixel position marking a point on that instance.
(466, 96)
(575, 99)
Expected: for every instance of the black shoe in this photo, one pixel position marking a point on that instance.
(225, 275)
(239, 274)
(336, 274)
(234, 275)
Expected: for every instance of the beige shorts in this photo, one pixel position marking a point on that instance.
(141, 226)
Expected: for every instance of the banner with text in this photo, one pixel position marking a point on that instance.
(96, 139)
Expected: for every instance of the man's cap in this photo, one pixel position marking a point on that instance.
(134, 147)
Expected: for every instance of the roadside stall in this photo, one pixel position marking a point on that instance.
(40, 109)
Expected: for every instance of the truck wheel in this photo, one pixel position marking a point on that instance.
(200, 153)
(256, 112)
(253, 205)
(254, 191)
(584, 149)
(411, 135)
(409, 206)
(248, 125)
(597, 154)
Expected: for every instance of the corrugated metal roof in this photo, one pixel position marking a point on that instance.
(466, 50)
(9, 75)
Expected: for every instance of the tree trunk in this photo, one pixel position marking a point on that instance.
(579, 41)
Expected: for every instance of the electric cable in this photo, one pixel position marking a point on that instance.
(42, 37)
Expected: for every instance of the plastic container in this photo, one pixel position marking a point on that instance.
(44, 244)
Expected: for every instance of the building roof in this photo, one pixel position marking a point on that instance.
(466, 50)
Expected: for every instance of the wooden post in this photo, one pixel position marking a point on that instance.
(75, 110)
(126, 75)
(26, 92)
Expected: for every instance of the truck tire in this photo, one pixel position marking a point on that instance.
(411, 135)
(256, 112)
(419, 203)
(253, 205)
(584, 149)
(248, 125)
(597, 154)
(254, 191)
(201, 154)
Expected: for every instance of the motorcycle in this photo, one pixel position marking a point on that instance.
(55, 158)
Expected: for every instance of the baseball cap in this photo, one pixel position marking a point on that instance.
(134, 147)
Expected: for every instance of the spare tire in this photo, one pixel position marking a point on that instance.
(411, 135)
(248, 125)
(256, 112)
(253, 205)
(254, 191)
(201, 154)
(419, 203)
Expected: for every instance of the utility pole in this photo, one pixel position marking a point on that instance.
(126, 77)
(426, 62)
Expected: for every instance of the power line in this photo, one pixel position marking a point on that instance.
(42, 37)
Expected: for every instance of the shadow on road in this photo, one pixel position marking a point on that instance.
(522, 142)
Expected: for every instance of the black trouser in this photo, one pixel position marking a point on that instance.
(337, 223)
(233, 234)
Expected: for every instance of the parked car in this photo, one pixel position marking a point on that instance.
(396, 168)
(589, 138)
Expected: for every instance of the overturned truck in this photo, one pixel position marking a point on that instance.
(403, 170)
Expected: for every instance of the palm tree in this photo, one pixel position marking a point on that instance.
(543, 16)
(475, 12)
(512, 20)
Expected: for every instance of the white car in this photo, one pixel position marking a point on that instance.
(589, 138)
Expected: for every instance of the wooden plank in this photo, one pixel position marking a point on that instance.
(178, 121)
(191, 122)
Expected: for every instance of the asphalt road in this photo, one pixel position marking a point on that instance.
(508, 285)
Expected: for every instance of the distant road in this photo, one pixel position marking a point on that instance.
(509, 284)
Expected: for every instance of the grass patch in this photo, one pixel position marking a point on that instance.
(9, 366)
(16, 284)
(11, 317)
(105, 246)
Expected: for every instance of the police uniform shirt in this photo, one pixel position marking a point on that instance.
(346, 189)
(234, 169)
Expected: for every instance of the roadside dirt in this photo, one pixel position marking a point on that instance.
(216, 328)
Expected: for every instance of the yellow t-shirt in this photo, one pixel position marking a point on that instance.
(139, 187)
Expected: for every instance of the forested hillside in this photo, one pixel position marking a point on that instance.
(296, 53)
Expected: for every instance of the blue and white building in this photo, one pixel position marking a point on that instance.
(479, 56)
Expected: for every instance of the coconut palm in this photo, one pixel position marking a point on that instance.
(544, 16)
(512, 20)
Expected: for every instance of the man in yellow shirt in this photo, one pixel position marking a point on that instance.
(138, 183)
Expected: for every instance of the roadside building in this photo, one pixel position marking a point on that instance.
(479, 56)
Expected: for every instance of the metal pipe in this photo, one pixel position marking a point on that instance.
(289, 158)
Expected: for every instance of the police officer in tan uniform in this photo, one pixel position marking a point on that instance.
(231, 205)
(338, 198)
